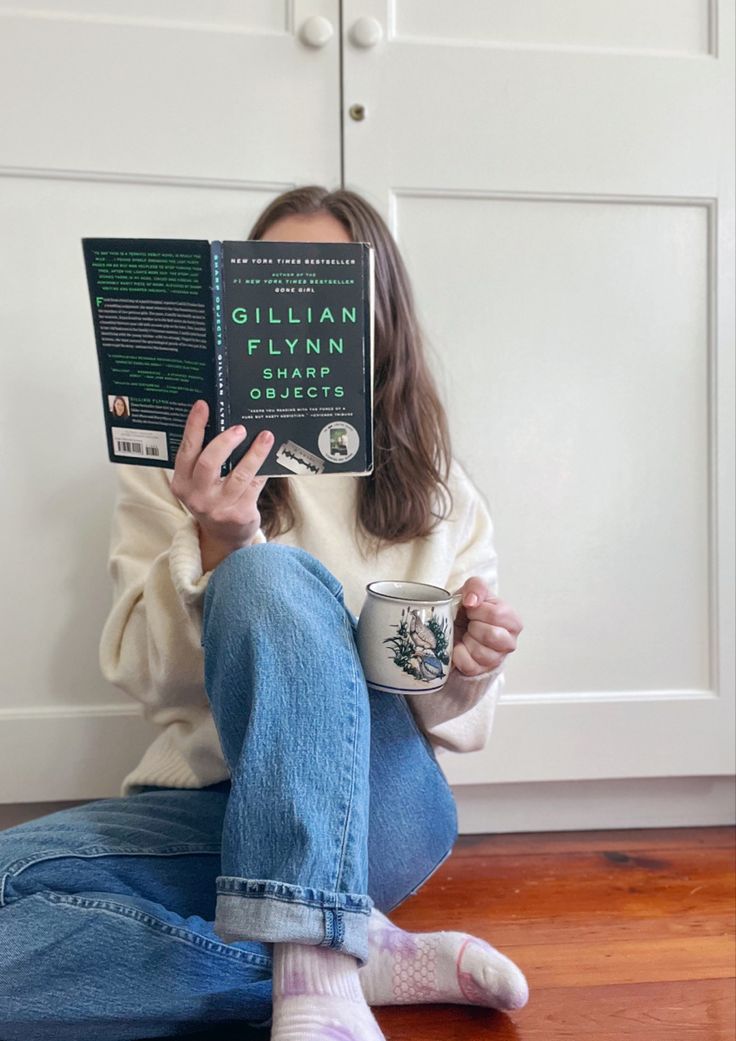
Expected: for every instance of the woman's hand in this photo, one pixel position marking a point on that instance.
(226, 509)
(486, 629)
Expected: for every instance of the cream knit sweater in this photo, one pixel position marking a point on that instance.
(150, 643)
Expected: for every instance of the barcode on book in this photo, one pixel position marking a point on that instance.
(136, 448)
(140, 444)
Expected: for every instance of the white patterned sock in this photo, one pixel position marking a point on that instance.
(317, 996)
(417, 968)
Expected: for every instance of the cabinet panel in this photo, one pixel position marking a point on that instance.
(683, 26)
(561, 184)
(118, 120)
(218, 91)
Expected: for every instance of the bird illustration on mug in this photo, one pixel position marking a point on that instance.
(419, 647)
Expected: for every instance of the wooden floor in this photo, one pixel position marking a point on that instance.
(621, 934)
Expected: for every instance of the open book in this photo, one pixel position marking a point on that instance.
(273, 335)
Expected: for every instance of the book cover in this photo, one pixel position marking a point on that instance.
(273, 335)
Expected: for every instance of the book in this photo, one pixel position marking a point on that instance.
(273, 335)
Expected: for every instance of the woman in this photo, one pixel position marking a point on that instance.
(242, 874)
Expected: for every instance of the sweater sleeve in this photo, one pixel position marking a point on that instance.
(150, 643)
(459, 718)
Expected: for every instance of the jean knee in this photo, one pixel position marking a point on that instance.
(266, 569)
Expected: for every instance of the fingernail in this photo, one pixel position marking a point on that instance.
(472, 600)
(239, 430)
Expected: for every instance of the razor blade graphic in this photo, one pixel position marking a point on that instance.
(297, 459)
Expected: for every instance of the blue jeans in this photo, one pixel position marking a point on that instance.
(152, 915)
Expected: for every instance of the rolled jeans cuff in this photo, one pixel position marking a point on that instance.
(279, 912)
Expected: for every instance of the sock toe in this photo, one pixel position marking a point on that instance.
(509, 987)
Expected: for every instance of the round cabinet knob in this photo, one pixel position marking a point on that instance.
(366, 32)
(316, 31)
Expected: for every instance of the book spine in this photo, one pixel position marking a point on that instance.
(368, 359)
(221, 418)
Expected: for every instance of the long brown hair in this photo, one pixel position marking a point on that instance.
(396, 503)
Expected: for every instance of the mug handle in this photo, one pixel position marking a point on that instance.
(455, 601)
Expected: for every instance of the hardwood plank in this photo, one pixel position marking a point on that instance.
(680, 1011)
(504, 888)
(584, 929)
(599, 961)
(630, 839)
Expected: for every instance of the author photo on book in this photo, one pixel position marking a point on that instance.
(285, 808)
(119, 405)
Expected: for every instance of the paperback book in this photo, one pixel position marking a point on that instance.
(273, 335)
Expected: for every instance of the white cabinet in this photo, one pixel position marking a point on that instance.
(561, 184)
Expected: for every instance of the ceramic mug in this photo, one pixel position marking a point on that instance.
(405, 636)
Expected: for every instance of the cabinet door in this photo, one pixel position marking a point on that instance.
(120, 117)
(560, 181)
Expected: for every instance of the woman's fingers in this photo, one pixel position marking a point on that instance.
(481, 653)
(191, 443)
(198, 470)
(243, 477)
(207, 468)
(226, 511)
(463, 660)
(494, 636)
(475, 591)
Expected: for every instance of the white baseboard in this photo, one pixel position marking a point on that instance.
(82, 753)
(659, 802)
(569, 806)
